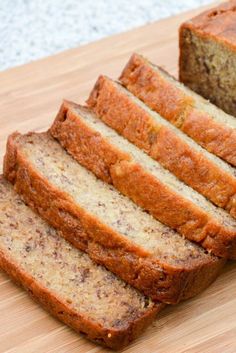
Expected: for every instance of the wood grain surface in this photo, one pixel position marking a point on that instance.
(30, 96)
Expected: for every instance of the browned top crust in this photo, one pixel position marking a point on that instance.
(218, 23)
(139, 77)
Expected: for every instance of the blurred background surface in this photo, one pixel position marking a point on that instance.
(32, 29)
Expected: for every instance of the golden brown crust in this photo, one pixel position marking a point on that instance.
(94, 155)
(104, 159)
(112, 338)
(162, 144)
(136, 266)
(91, 150)
(116, 167)
(215, 137)
(217, 23)
(176, 106)
(195, 170)
(149, 86)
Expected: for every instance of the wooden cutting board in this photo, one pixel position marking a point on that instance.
(30, 96)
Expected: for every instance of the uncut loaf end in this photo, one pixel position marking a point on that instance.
(208, 55)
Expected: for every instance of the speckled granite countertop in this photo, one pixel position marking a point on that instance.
(32, 29)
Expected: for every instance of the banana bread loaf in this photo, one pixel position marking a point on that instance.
(209, 126)
(115, 160)
(182, 156)
(207, 55)
(96, 218)
(65, 281)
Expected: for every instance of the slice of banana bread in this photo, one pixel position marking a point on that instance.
(65, 281)
(207, 55)
(178, 153)
(96, 218)
(117, 161)
(209, 126)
